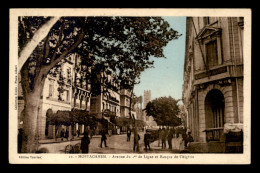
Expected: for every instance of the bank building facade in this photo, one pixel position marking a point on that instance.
(213, 81)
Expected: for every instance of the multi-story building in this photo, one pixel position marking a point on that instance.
(105, 97)
(81, 86)
(125, 97)
(213, 78)
(73, 95)
(75, 92)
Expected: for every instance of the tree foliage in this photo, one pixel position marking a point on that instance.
(71, 117)
(164, 110)
(121, 46)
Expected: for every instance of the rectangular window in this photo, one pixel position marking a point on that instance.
(50, 90)
(212, 53)
(206, 20)
(80, 103)
(67, 95)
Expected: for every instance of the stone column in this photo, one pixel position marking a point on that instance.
(70, 132)
(202, 125)
(51, 131)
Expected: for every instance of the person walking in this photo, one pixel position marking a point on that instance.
(85, 141)
(62, 133)
(78, 132)
(169, 138)
(128, 133)
(159, 136)
(184, 138)
(67, 134)
(189, 139)
(173, 132)
(147, 138)
(163, 136)
(103, 138)
(136, 140)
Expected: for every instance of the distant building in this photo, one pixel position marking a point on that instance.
(147, 97)
(213, 77)
(148, 119)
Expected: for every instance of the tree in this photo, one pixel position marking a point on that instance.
(164, 110)
(126, 45)
(28, 40)
(122, 46)
(61, 40)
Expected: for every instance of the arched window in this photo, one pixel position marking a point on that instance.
(214, 115)
(214, 104)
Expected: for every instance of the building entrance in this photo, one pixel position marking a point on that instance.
(214, 114)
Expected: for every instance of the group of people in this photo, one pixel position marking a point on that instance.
(165, 135)
(187, 138)
(169, 134)
(136, 139)
(85, 141)
(64, 134)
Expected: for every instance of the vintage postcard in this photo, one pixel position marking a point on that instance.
(130, 86)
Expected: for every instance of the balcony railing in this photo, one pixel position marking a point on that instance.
(113, 99)
(214, 134)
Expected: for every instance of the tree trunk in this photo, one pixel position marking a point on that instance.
(30, 137)
(134, 124)
(31, 108)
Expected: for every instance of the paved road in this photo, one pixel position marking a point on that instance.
(116, 144)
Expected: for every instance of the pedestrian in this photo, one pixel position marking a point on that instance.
(189, 139)
(118, 130)
(177, 132)
(85, 141)
(67, 134)
(128, 133)
(78, 132)
(159, 136)
(163, 136)
(184, 138)
(136, 140)
(169, 138)
(147, 138)
(103, 138)
(62, 133)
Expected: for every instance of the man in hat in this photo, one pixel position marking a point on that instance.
(85, 143)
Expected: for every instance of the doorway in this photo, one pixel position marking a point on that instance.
(214, 109)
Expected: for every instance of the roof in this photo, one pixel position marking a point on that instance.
(207, 31)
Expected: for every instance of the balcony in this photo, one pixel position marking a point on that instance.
(50, 98)
(219, 72)
(110, 98)
(125, 92)
(214, 134)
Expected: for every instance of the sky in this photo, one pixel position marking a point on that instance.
(166, 78)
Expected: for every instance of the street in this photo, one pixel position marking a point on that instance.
(116, 144)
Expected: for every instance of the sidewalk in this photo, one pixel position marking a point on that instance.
(115, 143)
(58, 140)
